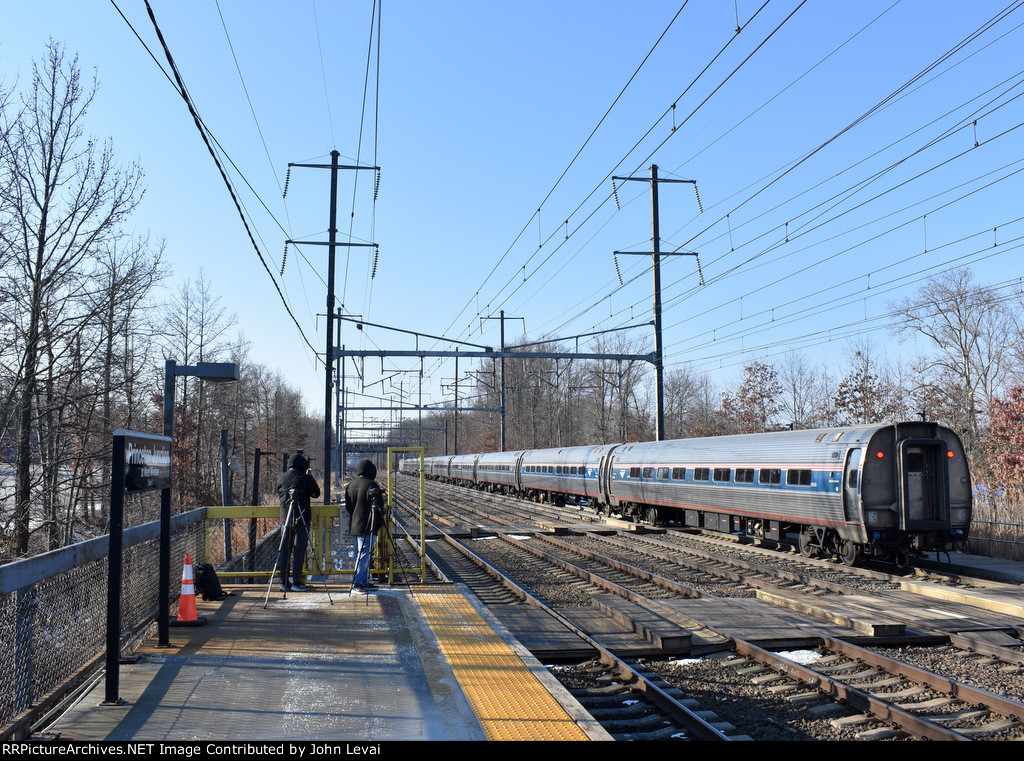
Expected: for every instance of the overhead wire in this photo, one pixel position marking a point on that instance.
(596, 188)
(668, 112)
(323, 72)
(183, 92)
(572, 161)
(932, 66)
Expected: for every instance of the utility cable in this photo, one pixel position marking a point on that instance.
(180, 86)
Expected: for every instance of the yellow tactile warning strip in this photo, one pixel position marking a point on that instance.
(508, 699)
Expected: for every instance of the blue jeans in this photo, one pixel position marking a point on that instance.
(364, 551)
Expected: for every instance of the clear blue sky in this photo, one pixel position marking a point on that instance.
(832, 144)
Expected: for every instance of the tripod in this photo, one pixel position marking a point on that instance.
(292, 506)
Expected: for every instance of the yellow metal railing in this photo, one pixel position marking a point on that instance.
(321, 522)
(422, 548)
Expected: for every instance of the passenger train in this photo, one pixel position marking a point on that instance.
(885, 491)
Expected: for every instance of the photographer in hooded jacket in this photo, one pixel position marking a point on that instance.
(364, 500)
(296, 483)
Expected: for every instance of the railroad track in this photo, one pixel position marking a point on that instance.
(890, 696)
(919, 702)
(642, 706)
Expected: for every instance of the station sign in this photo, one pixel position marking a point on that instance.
(147, 461)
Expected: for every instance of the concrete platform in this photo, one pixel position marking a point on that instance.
(377, 667)
(966, 564)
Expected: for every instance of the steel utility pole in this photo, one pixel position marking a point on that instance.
(332, 245)
(659, 357)
(501, 354)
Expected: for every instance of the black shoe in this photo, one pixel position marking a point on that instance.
(300, 588)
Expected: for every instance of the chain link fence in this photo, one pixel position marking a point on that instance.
(53, 609)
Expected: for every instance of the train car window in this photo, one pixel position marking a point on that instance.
(634, 472)
(648, 472)
(701, 474)
(678, 474)
(663, 473)
(744, 475)
(798, 477)
(583, 470)
(721, 474)
(770, 476)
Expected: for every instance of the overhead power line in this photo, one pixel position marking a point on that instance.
(183, 91)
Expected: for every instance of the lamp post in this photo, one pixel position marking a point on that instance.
(217, 372)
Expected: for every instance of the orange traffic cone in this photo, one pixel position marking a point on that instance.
(187, 602)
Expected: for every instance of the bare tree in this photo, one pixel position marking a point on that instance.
(971, 332)
(62, 197)
(757, 400)
(682, 390)
(197, 330)
(865, 394)
(800, 392)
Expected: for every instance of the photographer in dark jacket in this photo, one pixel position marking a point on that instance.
(364, 500)
(295, 483)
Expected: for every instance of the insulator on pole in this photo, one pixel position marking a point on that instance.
(615, 195)
(699, 207)
(376, 255)
(617, 268)
(700, 273)
(284, 258)
(376, 186)
(287, 179)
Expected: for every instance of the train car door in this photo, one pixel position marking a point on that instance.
(604, 475)
(921, 464)
(851, 487)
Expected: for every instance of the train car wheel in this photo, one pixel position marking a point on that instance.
(849, 553)
(806, 545)
(651, 515)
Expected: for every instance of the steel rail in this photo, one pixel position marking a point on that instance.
(963, 641)
(863, 701)
(665, 702)
(859, 699)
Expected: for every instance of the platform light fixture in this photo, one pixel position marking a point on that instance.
(214, 372)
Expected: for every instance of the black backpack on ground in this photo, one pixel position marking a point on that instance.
(207, 583)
